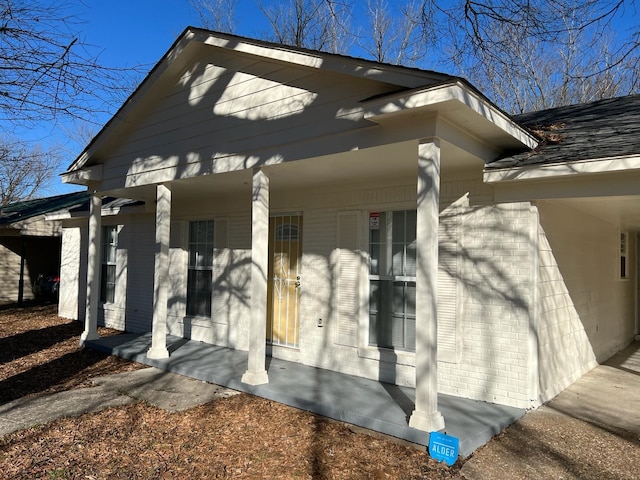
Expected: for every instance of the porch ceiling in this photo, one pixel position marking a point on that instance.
(622, 211)
(381, 165)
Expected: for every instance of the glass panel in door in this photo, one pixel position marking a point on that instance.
(283, 301)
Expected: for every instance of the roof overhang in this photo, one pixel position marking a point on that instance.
(459, 102)
(565, 169)
(83, 176)
(111, 208)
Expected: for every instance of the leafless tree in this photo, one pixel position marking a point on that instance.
(218, 15)
(25, 170)
(525, 55)
(46, 70)
(532, 55)
(315, 24)
(48, 74)
(395, 37)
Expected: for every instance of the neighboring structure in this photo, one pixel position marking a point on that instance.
(380, 221)
(29, 245)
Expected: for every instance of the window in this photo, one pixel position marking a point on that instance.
(108, 278)
(200, 277)
(624, 248)
(392, 279)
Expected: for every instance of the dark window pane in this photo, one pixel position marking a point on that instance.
(410, 226)
(410, 260)
(397, 250)
(199, 290)
(108, 268)
(375, 259)
(108, 283)
(398, 227)
(410, 298)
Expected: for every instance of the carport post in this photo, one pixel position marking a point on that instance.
(93, 270)
(426, 416)
(256, 373)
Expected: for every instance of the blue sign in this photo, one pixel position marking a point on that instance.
(443, 448)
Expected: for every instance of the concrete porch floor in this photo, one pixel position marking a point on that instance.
(366, 403)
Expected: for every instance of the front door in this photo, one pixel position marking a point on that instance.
(283, 301)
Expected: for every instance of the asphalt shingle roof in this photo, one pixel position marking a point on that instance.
(16, 212)
(589, 131)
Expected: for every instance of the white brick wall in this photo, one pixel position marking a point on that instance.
(585, 312)
(497, 305)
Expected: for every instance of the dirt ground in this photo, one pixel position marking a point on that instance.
(239, 437)
(249, 437)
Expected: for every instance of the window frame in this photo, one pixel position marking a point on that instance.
(383, 269)
(108, 262)
(192, 309)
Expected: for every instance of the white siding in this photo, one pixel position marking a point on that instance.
(138, 238)
(70, 280)
(227, 106)
(493, 269)
(586, 312)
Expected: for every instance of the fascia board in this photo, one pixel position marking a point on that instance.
(83, 176)
(581, 167)
(402, 76)
(105, 212)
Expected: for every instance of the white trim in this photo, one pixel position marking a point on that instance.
(579, 167)
(83, 176)
(381, 354)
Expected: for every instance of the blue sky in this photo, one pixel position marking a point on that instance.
(136, 31)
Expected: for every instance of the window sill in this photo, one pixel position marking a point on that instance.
(197, 320)
(388, 355)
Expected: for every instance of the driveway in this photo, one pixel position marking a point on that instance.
(590, 430)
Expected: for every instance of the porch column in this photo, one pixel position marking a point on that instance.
(426, 415)
(256, 373)
(161, 274)
(93, 270)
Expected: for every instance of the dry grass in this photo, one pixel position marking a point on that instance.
(238, 437)
(39, 353)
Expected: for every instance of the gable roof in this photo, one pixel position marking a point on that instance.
(180, 53)
(591, 131)
(20, 211)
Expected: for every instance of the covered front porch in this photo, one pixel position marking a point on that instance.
(366, 403)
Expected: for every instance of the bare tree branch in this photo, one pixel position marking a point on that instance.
(314, 24)
(25, 170)
(218, 15)
(46, 71)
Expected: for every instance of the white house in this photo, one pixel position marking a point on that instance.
(380, 221)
